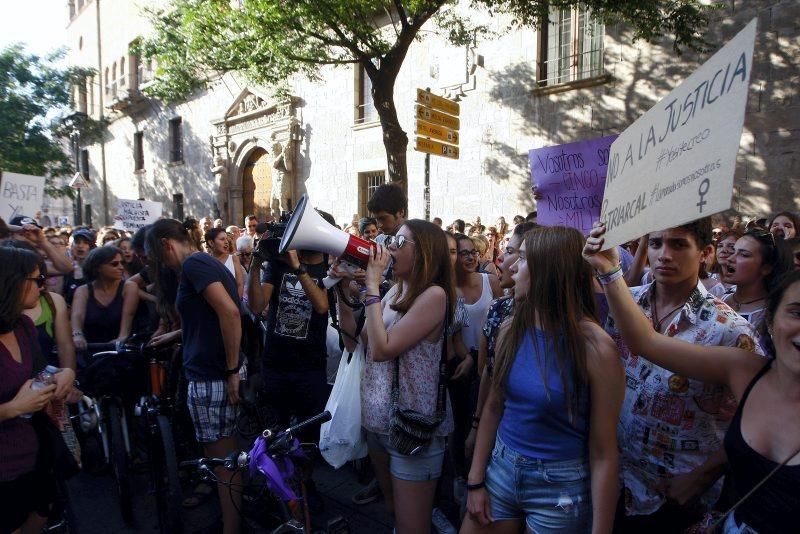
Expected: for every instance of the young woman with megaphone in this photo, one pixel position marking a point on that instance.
(404, 338)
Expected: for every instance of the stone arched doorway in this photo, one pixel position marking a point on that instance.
(257, 184)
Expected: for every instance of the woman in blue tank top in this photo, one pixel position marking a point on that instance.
(546, 452)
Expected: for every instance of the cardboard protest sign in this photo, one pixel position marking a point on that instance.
(571, 179)
(676, 163)
(133, 214)
(20, 194)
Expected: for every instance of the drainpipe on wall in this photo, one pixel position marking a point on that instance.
(102, 113)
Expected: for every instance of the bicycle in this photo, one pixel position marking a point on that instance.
(271, 495)
(155, 410)
(105, 373)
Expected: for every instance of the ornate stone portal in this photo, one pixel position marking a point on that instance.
(256, 130)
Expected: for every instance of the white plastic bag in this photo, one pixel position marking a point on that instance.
(342, 438)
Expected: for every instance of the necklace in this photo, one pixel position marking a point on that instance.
(658, 323)
(737, 305)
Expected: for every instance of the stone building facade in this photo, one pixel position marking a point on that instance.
(219, 152)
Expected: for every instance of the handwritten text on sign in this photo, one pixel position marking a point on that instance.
(133, 214)
(676, 163)
(571, 179)
(20, 194)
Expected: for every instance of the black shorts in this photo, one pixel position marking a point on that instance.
(31, 492)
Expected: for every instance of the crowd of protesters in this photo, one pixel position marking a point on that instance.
(650, 387)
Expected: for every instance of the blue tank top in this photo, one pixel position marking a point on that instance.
(536, 421)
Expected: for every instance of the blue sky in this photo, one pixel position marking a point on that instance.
(41, 24)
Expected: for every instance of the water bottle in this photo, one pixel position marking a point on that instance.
(45, 378)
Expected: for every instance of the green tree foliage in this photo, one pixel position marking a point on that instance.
(34, 94)
(270, 40)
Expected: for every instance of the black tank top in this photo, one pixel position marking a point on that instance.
(101, 323)
(775, 506)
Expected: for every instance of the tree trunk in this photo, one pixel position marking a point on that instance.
(395, 139)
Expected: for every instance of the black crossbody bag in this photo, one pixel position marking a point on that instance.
(409, 430)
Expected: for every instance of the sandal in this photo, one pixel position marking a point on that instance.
(200, 494)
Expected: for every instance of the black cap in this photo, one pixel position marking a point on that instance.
(84, 233)
(21, 220)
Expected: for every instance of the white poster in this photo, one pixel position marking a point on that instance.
(133, 214)
(676, 163)
(20, 194)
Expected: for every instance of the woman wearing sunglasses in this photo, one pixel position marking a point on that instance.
(26, 490)
(404, 331)
(99, 306)
(754, 267)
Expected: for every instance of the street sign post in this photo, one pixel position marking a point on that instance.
(436, 117)
(437, 102)
(441, 133)
(436, 148)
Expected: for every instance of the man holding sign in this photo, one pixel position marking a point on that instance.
(672, 166)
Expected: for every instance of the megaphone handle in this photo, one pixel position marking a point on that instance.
(330, 281)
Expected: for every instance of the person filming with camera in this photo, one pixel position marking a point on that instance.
(289, 287)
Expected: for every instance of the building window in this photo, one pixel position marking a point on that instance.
(122, 85)
(138, 151)
(368, 182)
(365, 106)
(107, 81)
(175, 140)
(84, 164)
(570, 47)
(90, 91)
(82, 96)
(177, 206)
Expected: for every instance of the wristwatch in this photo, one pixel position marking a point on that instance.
(231, 372)
(300, 270)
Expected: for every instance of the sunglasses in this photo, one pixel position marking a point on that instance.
(468, 253)
(398, 241)
(40, 280)
(766, 237)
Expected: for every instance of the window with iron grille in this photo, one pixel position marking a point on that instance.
(176, 140)
(177, 206)
(368, 182)
(138, 151)
(84, 164)
(570, 47)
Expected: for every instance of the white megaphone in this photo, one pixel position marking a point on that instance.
(307, 230)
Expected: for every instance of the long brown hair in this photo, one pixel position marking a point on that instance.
(431, 266)
(559, 297)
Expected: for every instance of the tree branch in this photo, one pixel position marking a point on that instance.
(401, 12)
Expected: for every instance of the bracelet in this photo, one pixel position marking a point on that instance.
(77, 334)
(611, 276)
(473, 487)
(370, 295)
(369, 301)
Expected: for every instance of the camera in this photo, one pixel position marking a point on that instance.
(270, 240)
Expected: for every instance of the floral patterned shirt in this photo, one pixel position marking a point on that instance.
(419, 380)
(499, 309)
(670, 424)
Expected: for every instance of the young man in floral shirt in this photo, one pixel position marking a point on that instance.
(671, 427)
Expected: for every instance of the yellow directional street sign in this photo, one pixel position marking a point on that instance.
(436, 148)
(436, 117)
(441, 133)
(437, 102)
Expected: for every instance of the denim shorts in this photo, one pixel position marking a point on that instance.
(552, 496)
(427, 465)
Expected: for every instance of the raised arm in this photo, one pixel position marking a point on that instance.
(607, 389)
(704, 363)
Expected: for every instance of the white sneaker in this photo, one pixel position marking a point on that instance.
(440, 522)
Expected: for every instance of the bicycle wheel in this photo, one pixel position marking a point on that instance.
(119, 462)
(168, 492)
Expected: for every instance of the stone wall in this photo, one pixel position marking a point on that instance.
(502, 118)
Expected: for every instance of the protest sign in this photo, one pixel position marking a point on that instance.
(20, 194)
(571, 179)
(676, 163)
(133, 214)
